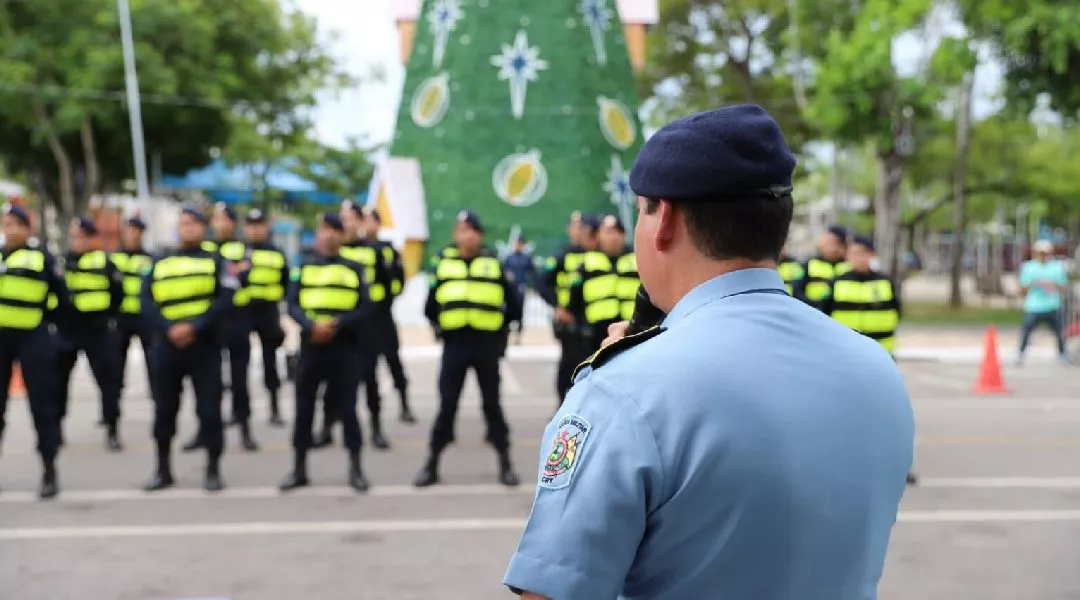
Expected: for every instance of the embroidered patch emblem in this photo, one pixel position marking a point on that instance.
(566, 448)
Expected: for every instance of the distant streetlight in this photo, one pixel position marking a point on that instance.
(131, 81)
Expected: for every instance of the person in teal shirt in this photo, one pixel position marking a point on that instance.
(1042, 280)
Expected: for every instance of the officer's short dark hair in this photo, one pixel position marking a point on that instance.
(751, 228)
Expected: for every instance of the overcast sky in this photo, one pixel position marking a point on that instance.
(368, 39)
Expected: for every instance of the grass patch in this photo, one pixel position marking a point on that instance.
(934, 313)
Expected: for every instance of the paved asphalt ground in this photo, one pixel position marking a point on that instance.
(996, 517)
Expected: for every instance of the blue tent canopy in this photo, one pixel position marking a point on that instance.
(239, 184)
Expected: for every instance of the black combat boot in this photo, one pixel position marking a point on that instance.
(429, 474)
(275, 411)
(507, 476)
(162, 477)
(246, 439)
(406, 412)
(213, 482)
(298, 478)
(112, 438)
(356, 474)
(49, 487)
(377, 438)
(195, 443)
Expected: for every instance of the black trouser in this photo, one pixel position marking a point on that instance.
(99, 345)
(573, 352)
(202, 363)
(383, 340)
(266, 323)
(482, 355)
(130, 326)
(35, 351)
(334, 365)
(1051, 319)
(237, 331)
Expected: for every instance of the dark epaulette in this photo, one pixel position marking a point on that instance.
(603, 355)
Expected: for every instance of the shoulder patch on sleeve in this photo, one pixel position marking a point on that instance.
(606, 353)
(559, 466)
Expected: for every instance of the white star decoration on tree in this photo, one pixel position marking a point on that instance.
(442, 19)
(597, 18)
(618, 189)
(519, 64)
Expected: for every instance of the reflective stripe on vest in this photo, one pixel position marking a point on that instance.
(627, 287)
(367, 256)
(790, 271)
(819, 276)
(88, 282)
(235, 251)
(470, 294)
(389, 258)
(183, 286)
(23, 289)
(264, 279)
(864, 307)
(599, 288)
(564, 279)
(327, 291)
(132, 266)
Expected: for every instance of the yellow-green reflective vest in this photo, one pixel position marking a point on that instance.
(23, 289)
(132, 265)
(88, 282)
(183, 287)
(867, 307)
(264, 279)
(790, 271)
(209, 245)
(389, 258)
(564, 279)
(819, 276)
(470, 294)
(235, 251)
(368, 257)
(327, 291)
(607, 288)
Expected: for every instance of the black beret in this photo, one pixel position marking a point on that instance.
(137, 223)
(469, 218)
(839, 232)
(735, 152)
(194, 211)
(864, 241)
(613, 221)
(86, 225)
(590, 223)
(19, 213)
(255, 215)
(223, 208)
(333, 221)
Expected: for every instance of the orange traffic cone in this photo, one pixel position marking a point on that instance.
(17, 387)
(989, 381)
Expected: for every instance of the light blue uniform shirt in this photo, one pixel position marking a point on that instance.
(1033, 273)
(756, 449)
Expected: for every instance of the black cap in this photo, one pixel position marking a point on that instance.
(19, 213)
(735, 152)
(223, 208)
(469, 218)
(839, 232)
(255, 215)
(194, 211)
(137, 223)
(333, 221)
(85, 224)
(865, 241)
(590, 223)
(613, 221)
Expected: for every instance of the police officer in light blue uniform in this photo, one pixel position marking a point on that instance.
(748, 447)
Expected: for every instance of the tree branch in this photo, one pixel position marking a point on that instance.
(93, 168)
(990, 188)
(63, 161)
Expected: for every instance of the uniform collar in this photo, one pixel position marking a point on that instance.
(723, 286)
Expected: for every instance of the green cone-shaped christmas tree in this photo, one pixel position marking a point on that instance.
(522, 110)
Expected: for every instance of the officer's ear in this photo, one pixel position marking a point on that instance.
(659, 223)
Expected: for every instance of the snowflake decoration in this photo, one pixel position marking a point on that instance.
(443, 19)
(519, 64)
(618, 189)
(597, 17)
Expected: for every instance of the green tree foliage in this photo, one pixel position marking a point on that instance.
(346, 172)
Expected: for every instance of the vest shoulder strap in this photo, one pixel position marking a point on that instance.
(605, 354)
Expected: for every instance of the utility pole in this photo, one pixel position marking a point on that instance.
(131, 81)
(963, 141)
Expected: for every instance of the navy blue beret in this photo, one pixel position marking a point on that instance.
(864, 241)
(193, 211)
(223, 208)
(137, 223)
(470, 218)
(839, 232)
(613, 221)
(333, 221)
(590, 222)
(255, 215)
(19, 213)
(86, 225)
(732, 152)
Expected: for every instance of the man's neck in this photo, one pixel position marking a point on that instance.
(697, 271)
(191, 246)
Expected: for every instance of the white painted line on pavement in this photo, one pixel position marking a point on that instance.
(1039, 483)
(388, 491)
(985, 516)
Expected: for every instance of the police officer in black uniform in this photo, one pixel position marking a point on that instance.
(133, 260)
(469, 305)
(327, 298)
(185, 296)
(267, 280)
(28, 276)
(96, 286)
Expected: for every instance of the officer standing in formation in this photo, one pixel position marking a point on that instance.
(133, 260)
(469, 305)
(328, 299)
(559, 273)
(267, 280)
(607, 283)
(792, 272)
(96, 287)
(29, 275)
(820, 270)
(186, 295)
(681, 464)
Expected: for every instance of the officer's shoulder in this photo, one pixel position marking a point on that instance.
(607, 353)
